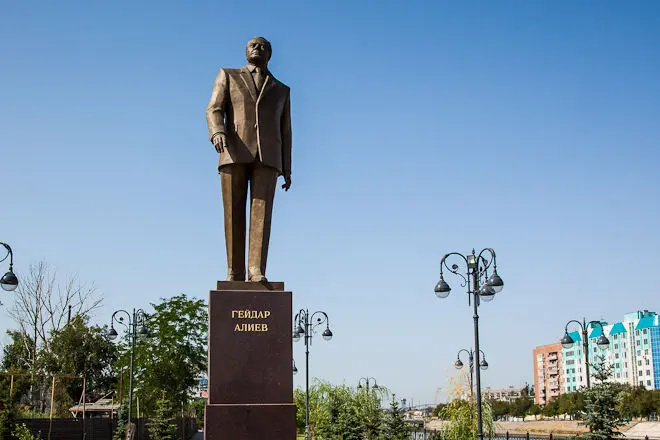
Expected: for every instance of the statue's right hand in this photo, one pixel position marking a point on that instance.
(220, 142)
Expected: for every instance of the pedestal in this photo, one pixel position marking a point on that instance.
(250, 394)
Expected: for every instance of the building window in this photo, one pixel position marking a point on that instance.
(645, 330)
(569, 353)
(639, 373)
(639, 352)
(648, 372)
(638, 342)
(646, 351)
(618, 375)
(616, 355)
(616, 346)
(648, 362)
(639, 363)
(641, 383)
(646, 341)
(625, 365)
(648, 382)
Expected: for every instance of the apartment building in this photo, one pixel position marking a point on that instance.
(633, 353)
(548, 372)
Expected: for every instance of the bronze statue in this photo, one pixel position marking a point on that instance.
(249, 123)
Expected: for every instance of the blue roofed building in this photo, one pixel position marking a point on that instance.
(633, 352)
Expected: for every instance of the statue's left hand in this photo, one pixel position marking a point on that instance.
(287, 182)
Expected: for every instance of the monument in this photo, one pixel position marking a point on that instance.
(250, 393)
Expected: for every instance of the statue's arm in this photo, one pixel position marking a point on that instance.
(215, 112)
(285, 131)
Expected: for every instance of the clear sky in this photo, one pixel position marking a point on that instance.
(420, 128)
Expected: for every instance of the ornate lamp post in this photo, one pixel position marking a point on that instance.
(135, 328)
(9, 281)
(602, 341)
(367, 381)
(479, 287)
(305, 324)
(459, 364)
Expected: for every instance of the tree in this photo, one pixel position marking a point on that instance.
(395, 426)
(520, 406)
(499, 408)
(368, 411)
(551, 409)
(175, 354)
(42, 306)
(83, 351)
(461, 413)
(161, 425)
(122, 422)
(601, 400)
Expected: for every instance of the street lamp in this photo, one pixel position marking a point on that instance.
(602, 342)
(136, 328)
(367, 381)
(295, 369)
(480, 286)
(459, 364)
(9, 281)
(305, 324)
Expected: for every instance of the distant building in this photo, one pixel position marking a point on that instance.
(633, 354)
(548, 372)
(502, 394)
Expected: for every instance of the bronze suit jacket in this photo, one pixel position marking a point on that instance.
(254, 123)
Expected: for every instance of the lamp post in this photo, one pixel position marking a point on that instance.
(479, 287)
(459, 364)
(367, 381)
(602, 341)
(304, 325)
(9, 281)
(136, 328)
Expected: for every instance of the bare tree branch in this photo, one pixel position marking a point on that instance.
(41, 305)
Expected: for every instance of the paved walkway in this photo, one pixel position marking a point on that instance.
(198, 436)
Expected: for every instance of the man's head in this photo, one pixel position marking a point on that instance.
(258, 51)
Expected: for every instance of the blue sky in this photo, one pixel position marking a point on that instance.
(420, 128)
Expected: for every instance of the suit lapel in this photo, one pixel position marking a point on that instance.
(246, 76)
(269, 84)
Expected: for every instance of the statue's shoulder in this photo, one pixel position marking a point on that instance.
(230, 71)
(281, 84)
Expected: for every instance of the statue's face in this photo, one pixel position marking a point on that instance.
(258, 51)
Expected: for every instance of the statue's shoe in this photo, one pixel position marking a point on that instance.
(257, 278)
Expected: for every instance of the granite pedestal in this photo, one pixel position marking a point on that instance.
(250, 394)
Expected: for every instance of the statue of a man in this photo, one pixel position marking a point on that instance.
(249, 122)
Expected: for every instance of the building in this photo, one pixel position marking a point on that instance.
(548, 372)
(633, 354)
(502, 394)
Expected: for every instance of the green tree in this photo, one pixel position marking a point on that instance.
(79, 349)
(175, 354)
(601, 400)
(17, 355)
(521, 406)
(396, 427)
(122, 422)
(161, 425)
(551, 409)
(369, 412)
(499, 408)
(7, 416)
